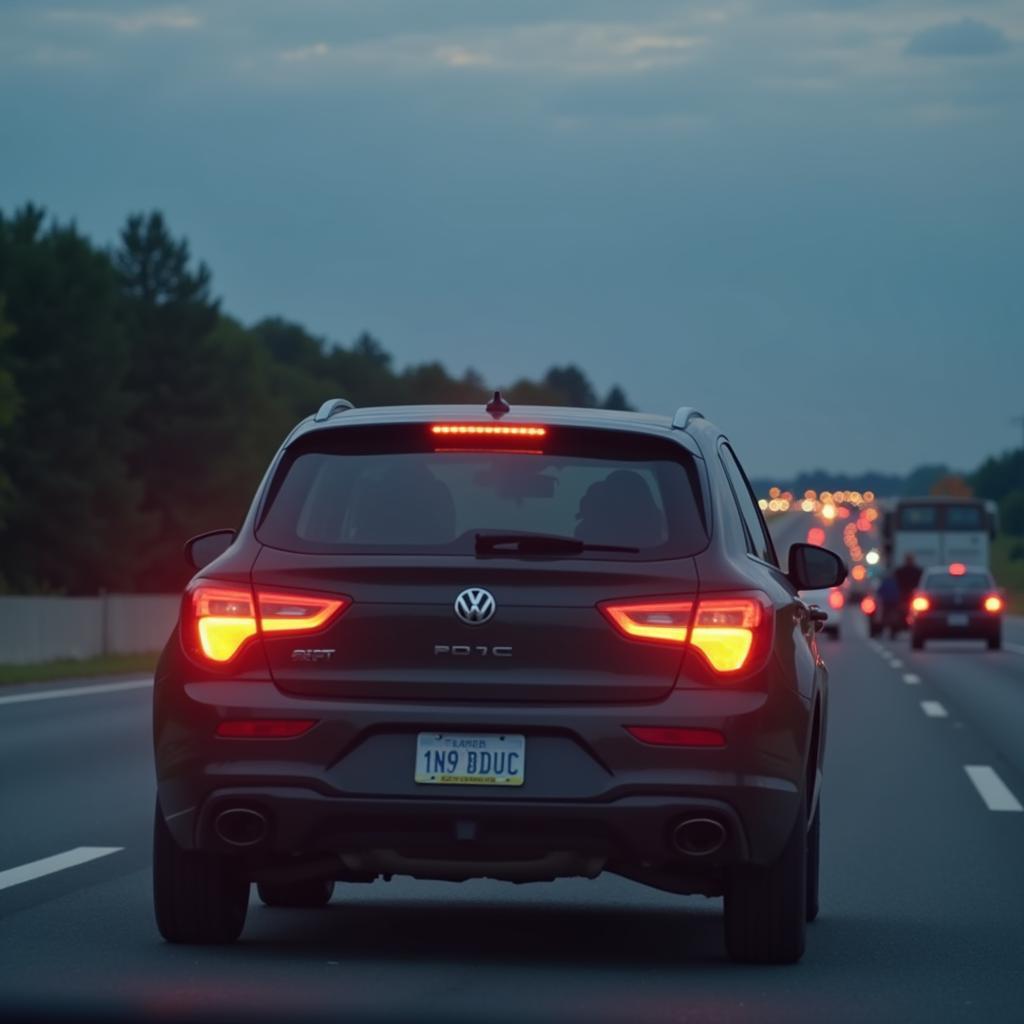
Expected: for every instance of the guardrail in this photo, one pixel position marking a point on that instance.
(37, 629)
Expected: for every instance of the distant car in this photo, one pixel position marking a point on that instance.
(831, 602)
(454, 642)
(958, 602)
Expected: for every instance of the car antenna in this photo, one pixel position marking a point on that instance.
(497, 406)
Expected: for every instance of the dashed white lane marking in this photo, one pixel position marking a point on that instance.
(1016, 648)
(58, 862)
(896, 663)
(75, 691)
(911, 679)
(992, 789)
(933, 709)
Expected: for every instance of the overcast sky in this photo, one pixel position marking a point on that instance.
(806, 218)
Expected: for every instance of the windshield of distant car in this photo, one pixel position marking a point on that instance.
(965, 581)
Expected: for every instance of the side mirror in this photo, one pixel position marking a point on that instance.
(814, 568)
(202, 549)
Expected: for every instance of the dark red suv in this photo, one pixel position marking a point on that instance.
(455, 642)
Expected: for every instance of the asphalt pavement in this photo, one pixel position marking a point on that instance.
(922, 882)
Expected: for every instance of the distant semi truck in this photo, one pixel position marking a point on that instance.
(937, 531)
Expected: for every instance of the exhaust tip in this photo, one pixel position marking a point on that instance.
(698, 837)
(241, 826)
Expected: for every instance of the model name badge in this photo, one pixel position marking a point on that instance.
(313, 653)
(471, 650)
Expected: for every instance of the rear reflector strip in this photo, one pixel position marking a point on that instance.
(264, 728)
(670, 736)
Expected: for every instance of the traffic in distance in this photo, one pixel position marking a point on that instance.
(928, 571)
(516, 643)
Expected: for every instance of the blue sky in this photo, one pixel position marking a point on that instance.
(804, 217)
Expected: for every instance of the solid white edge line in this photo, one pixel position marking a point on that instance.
(1016, 648)
(58, 862)
(911, 679)
(933, 709)
(992, 789)
(75, 691)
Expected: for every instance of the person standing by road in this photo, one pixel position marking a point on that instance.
(907, 576)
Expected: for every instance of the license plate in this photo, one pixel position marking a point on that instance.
(959, 619)
(461, 759)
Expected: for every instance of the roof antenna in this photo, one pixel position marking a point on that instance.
(497, 406)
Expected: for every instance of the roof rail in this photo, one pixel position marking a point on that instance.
(683, 415)
(330, 407)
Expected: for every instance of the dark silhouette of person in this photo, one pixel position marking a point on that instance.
(908, 575)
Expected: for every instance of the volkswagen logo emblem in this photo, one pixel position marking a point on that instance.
(475, 606)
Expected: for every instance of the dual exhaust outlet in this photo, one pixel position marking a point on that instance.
(693, 837)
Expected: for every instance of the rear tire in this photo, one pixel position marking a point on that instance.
(813, 862)
(766, 907)
(916, 642)
(315, 893)
(198, 897)
(995, 642)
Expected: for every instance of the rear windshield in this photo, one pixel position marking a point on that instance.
(966, 581)
(360, 491)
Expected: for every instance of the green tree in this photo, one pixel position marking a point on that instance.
(72, 518)
(999, 475)
(204, 411)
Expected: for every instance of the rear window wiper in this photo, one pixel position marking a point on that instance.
(539, 544)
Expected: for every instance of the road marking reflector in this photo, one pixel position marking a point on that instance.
(911, 679)
(58, 862)
(76, 691)
(933, 709)
(992, 789)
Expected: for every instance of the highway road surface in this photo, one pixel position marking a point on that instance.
(922, 883)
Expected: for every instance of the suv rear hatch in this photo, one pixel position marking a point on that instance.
(402, 520)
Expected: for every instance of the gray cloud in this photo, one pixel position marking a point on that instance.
(967, 37)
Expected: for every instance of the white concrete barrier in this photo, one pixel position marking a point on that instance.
(34, 629)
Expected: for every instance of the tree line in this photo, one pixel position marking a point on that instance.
(135, 412)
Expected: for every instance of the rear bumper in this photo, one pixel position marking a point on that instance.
(591, 790)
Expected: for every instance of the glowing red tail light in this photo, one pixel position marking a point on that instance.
(869, 605)
(264, 728)
(920, 603)
(724, 629)
(670, 736)
(490, 430)
(993, 603)
(836, 599)
(220, 618)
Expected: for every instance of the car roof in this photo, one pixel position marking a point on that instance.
(608, 419)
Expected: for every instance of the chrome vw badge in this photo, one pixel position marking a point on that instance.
(475, 606)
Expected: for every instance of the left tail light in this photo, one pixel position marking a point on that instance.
(920, 603)
(220, 618)
(836, 599)
(729, 632)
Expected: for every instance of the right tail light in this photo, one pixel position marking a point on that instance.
(728, 631)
